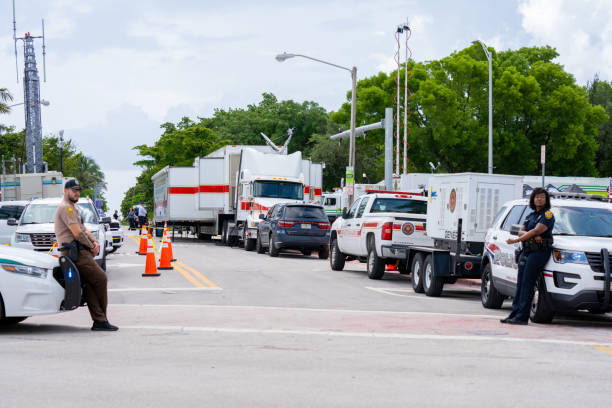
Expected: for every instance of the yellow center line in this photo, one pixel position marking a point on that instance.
(187, 276)
(604, 349)
(198, 274)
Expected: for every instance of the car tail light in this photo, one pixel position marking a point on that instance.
(387, 231)
(286, 224)
(324, 225)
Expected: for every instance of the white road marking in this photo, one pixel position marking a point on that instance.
(124, 265)
(194, 289)
(299, 309)
(389, 291)
(377, 335)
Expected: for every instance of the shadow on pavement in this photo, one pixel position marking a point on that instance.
(34, 328)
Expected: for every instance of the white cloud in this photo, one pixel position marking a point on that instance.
(581, 31)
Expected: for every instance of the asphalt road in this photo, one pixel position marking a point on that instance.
(232, 328)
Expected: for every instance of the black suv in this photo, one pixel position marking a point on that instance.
(304, 227)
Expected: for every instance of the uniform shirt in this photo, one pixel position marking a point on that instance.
(142, 212)
(66, 214)
(544, 217)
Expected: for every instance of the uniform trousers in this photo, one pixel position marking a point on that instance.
(530, 267)
(94, 279)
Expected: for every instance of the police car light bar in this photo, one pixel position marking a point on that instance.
(415, 193)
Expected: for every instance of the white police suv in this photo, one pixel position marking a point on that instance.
(577, 276)
(33, 283)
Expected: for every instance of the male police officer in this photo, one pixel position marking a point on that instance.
(70, 231)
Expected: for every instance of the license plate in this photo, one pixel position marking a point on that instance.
(306, 226)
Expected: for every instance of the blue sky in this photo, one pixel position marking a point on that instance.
(116, 70)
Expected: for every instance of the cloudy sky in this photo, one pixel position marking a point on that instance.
(116, 70)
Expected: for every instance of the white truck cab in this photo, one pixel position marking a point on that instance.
(577, 276)
(36, 230)
(379, 227)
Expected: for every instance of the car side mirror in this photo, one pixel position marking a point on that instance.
(12, 222)
(514, 229)
(262, 216)
(344, 212)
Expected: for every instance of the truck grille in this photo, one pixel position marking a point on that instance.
(116, 240)
(114, 226)
(43, 240)
(594, 259)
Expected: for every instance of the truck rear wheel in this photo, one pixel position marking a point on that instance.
(432, 285)
(490, 297)
(417, 273)
(224, 232)
(541, 312)
(336, 258)
(375, 265)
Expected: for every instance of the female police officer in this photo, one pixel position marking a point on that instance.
(536, 236)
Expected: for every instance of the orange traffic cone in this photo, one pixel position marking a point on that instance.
(169, 241)
(150, 268)
(165, 258)
(142, 250)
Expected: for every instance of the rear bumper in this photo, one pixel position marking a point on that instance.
(394, 251)
(284, 241)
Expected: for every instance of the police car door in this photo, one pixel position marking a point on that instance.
(347, 231)
(505, 264)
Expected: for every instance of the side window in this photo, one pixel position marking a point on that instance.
(498, 216)
(353, 210)
(4, 214)
(514, 217)
(525, 215)
(270, 210)
(362, 206)
(277, 211)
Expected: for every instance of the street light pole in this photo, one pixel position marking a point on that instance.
(61, 146)
(488, 54)
(285, 56)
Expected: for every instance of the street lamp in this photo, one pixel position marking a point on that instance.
(488, 54)
(285, 56)
(61, 146)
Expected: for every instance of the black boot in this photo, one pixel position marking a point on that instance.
(103, 326)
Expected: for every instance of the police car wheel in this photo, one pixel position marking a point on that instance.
(490, 297)
(375, 265)
(432, 285)
(336, 258)
(541, 312)
(417, 273)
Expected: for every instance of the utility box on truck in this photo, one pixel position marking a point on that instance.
(23, 187)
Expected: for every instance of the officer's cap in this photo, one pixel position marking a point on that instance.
(73, 184)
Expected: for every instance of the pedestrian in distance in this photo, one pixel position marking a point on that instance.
(80, 246)
(116, 215)
(131, 218)
(537, 240)
(142, 215)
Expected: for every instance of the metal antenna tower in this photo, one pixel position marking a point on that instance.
(31, 97)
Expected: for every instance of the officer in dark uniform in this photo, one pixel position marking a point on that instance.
(536, 237)
(80, 245)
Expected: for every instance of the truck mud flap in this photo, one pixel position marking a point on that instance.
(441, 263)
(72, 283)
(605, 257)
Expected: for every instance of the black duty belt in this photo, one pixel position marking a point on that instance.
(534, 246)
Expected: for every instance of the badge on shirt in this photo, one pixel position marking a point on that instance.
(69, 210)
(548, 215)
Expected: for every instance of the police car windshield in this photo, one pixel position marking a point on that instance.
(399, 205)
(45, 214)
(277, 189)
(583, 221)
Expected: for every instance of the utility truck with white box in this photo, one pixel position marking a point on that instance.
(226, 191)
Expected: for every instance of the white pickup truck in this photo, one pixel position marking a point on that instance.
(379, 228)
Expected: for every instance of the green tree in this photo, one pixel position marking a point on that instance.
(600, 93)
(5, 97)
(535, 102)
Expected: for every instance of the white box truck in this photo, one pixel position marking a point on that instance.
(460, 209)
(226, 191)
